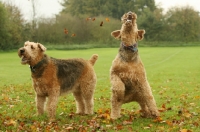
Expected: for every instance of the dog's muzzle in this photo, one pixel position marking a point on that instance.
(21, 53)
(130, 15)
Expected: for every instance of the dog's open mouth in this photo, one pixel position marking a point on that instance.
(129, 18)
(24, 60)
(128, 22)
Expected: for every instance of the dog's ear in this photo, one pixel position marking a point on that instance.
(41, 47)
(116, 34)
(140, 34)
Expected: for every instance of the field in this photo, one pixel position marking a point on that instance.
(173, 73)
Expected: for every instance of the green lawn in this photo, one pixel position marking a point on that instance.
(173, 73)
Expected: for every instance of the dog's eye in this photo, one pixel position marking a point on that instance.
(32, 47)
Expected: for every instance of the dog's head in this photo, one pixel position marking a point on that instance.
(129, 33)
(129, 20)
(31, 53)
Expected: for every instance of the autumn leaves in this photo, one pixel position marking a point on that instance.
(66, 32)
(93, 19)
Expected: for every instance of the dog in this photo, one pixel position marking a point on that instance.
(53, 77)
(127, 73)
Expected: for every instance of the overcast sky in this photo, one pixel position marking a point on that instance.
(48, 8)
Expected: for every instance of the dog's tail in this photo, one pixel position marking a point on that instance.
(93, 59)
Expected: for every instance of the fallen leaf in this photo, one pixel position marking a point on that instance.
(101, 24)
(146, 127)
(73, 35)
(65, 31)
(169, 123)
(107, 19)
(87, 19)
(197, 97)
(187, 115)
(119, 127)
(99, 111)
(158, 119)
(185, 130)
(10, 122)
(127, 123)
(69, 128)
(108, 126)
(61, 113)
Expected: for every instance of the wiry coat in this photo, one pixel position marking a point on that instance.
(127, 74)
(54, 77)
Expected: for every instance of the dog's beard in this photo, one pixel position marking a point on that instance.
(24, 60)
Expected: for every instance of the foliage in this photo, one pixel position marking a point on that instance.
(4, 33)
(183, 24)
(175, 85)
(79, 30)
(153, 24)
(111, 8)
(80, 23)
(12, 30)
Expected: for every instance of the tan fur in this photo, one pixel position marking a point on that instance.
(54, 77)
(127, 74)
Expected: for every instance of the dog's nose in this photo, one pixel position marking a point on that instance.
(22, 51)
(129, 12)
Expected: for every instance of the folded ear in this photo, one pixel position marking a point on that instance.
(140, 34)
(41, 47)
(116, 34)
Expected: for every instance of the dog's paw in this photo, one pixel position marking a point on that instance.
(150, 114)
(155, 114)
(52, 119)
(114, 117)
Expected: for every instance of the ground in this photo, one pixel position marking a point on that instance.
(174, 79)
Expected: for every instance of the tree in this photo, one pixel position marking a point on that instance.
(153, 23)
(110, 8)
(4, 33)
(183, 24)
(16, 22)
(74, 7)
(11, 26)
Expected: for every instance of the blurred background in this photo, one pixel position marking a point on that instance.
(63, 24)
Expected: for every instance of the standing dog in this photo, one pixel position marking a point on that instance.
(127, 74)
(52, 77)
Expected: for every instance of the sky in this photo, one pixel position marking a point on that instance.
(48, 8)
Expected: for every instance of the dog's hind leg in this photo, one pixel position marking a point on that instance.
(117, 99)
(150, 101)
(87, 89)
(151, 104)
(144, 109)
(80, 107)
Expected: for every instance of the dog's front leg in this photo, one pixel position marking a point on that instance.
(51, 106)
(40, 100)
(118, 92)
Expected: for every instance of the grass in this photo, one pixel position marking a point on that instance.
(173, 74)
